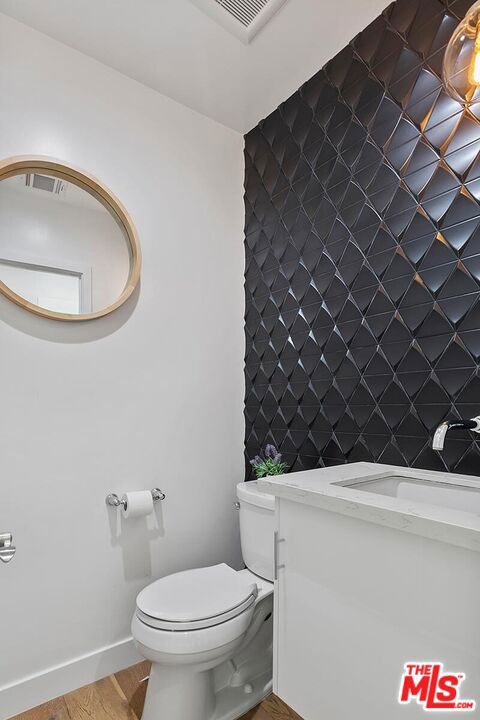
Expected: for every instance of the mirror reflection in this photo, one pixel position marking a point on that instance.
(60, 248)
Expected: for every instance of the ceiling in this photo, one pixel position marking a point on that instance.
(173, 47)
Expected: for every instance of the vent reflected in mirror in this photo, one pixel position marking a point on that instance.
(67, 248)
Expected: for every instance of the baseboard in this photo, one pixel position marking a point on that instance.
(36, 689)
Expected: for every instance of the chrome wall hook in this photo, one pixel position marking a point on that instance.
(7, 550)
(115, 501)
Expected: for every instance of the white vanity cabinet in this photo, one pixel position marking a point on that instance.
(359, 594)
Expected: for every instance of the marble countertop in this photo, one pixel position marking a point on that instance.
(318, 488)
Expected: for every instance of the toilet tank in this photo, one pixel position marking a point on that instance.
(257, 512)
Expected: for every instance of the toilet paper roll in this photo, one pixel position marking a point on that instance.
(139, 504)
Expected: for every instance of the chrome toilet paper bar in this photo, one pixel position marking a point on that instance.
(116, 501)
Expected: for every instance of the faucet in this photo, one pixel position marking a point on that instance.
(439, 436)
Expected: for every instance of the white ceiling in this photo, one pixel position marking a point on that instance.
(171, 46)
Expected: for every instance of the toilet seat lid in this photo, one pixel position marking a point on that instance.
(196, 598)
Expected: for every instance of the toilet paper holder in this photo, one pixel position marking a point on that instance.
(114, 501)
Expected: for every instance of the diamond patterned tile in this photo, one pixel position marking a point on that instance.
(362, 243)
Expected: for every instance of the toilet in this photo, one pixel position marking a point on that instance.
(208, 632)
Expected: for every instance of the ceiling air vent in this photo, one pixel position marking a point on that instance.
(243, 18)
(246, 11)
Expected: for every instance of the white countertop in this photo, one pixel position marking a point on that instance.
(317, 488)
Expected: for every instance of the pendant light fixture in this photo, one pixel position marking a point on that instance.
(461, 64)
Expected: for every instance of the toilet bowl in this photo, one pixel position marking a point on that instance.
(208, 631)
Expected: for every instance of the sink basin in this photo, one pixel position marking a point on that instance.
(449, 495)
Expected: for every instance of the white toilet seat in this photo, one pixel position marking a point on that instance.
(181, 626)
(192, 642)
(196, 599)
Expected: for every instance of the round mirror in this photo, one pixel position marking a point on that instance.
(68, 249)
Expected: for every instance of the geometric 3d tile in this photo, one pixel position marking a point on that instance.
(362, 241)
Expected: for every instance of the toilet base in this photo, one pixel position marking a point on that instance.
(166, 696)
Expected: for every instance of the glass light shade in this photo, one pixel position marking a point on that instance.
(461, 64)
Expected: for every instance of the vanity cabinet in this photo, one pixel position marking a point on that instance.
(355, 601)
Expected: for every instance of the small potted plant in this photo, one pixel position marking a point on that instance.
(268, 463)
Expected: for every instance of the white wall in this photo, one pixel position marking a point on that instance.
(151, 395)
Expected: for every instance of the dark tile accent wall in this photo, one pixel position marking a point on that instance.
(362, 199)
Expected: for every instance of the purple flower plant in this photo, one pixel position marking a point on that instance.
(269, 464)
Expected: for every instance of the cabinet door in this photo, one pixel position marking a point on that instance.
(355, 602)
(297, 656)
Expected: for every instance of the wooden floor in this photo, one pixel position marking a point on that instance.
(121, 697)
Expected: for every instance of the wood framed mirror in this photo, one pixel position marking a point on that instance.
(68, 248)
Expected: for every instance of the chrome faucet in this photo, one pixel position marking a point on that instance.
(439, 437)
